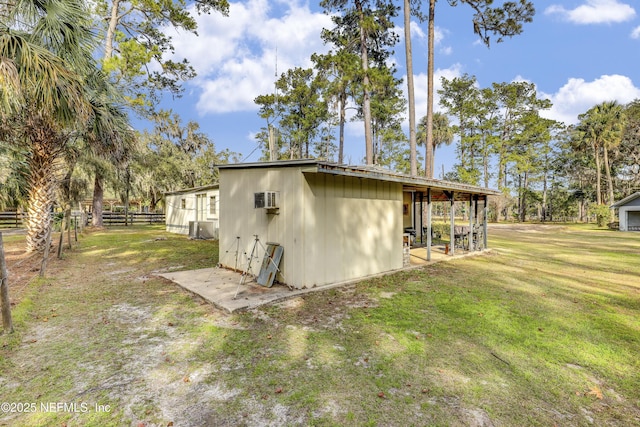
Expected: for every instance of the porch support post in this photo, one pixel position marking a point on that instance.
(413, 211)
(484, 223)
(452, 231)
(476, 199)
(476, 225)
(470, 237)
(429, 230)
(421, 218)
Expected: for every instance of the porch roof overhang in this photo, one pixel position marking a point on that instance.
(440, 190)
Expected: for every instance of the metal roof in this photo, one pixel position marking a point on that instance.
(192, 190)
(274, 164)
(626, 200)
(411, 183)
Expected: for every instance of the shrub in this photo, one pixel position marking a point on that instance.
(602, 214)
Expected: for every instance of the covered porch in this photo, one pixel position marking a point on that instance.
(459, 227)
(462, 230)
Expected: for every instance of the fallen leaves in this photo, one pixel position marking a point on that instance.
(595, 391)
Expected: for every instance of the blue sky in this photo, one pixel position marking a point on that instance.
(577, 52)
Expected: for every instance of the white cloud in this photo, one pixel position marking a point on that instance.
(416, 31)
(447, 50)
(635, 34)
(577, 96)
(520, 78)
(235, 56)
(594, 12)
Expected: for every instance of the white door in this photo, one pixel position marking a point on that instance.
(201, 207)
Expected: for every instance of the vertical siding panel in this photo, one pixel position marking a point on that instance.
(348, 189)
(296, 222)
(332, 238)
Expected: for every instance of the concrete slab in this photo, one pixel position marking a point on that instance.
(219, 287)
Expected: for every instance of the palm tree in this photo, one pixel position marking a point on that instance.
(45, 55)
(601, 127)
(442, 134)
(613, 115)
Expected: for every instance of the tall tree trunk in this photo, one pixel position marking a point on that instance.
(42, 185)
(426, 159)
(596, 153)
(430, 58)
(544, 197)
(523, 199)
(343, 102)
(111, 29)
(126, 195)
(410, 89)
(153, 201)
(5, 303)
(366, 99)
(519, 195)
(98, 197)
(607, 169)
(485, 163)
(272, 143)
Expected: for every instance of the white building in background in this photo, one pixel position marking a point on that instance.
(629, 212)
(194, 211)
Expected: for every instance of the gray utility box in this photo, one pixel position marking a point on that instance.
(202, 230)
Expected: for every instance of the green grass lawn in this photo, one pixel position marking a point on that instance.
(543, 331)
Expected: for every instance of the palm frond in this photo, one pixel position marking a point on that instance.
(42, 78)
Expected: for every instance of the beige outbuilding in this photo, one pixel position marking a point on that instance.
(193, 211)
(336, 223)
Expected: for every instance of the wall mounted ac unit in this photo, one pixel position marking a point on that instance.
(266, 199)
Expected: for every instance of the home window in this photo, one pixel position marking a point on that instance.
(183, 203)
